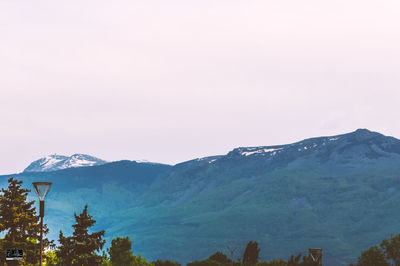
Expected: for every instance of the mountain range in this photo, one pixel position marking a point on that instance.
(340, 193)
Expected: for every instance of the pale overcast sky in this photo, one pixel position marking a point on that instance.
(170, 81)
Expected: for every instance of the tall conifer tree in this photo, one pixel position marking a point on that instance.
(19, 221)
(80, 248)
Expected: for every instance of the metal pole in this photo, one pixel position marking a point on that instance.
(41, 240)
(41, 230)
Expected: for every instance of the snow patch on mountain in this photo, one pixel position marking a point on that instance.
(251, 151)
(58, 162)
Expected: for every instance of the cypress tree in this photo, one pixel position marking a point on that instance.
(250, 256)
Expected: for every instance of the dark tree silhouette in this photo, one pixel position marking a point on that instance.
(206, 262)
(391, 249)
(221, 258)
(293, 261)
(250, 256)
(80, 248)
(165, 263)
(120, 251)
(372, 257)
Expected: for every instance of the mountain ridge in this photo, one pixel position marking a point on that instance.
(306, 145)
(59, 162)
(342, 196)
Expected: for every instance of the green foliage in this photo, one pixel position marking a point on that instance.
(273, 263)
(51, 258)
(372, 257)
(120, 251)
(31, 251)
(221, 258)
(375, 256)
(106, 260)
(295, 261)
(20, 223)
(80, 248)
(165, 263)
(217, 259)
(121, 254)
(105, 263)
(250, 256)
(140, 261)
(207, 262)
(391, 248)
(17, 216)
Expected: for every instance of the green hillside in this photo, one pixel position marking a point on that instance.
(339, 193)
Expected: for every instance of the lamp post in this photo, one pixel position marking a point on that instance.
(316, 255)
(41, 188)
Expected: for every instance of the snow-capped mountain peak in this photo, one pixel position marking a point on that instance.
(56, 162)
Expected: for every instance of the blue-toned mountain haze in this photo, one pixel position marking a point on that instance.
(340, 193)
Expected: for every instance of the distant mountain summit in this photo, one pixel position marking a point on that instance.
(58, 162)
(371, 143)
(357, 147)
(339, 154)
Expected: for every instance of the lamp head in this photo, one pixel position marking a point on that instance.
(42, 188)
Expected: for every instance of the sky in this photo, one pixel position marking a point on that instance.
(170, 81)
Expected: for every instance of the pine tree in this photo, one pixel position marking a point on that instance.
(80, 248)
(64, 252)
(19, 220)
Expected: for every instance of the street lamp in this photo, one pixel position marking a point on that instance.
(41, 188)
(316, 255)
